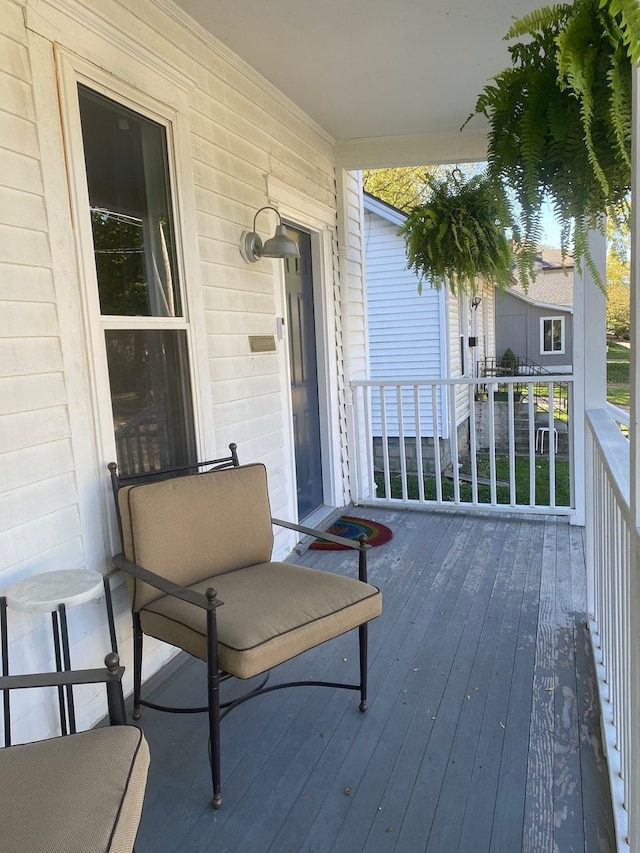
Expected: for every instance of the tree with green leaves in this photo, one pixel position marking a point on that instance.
(618, 281)
(404, 187)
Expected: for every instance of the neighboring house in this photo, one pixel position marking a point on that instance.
(417, 333)
(537, 323)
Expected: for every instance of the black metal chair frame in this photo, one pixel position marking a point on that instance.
(209, 602)
(110, 676)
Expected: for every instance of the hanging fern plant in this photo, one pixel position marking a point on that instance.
(560, 121)
(460, 233)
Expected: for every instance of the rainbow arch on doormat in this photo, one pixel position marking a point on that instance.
(350, 527)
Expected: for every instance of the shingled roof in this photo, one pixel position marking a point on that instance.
(553, 284)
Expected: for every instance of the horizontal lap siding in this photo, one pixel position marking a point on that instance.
(40, 526)
(39, 518)
(239, 132)
(239, 135)
(405, 327)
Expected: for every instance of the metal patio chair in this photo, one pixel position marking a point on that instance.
(78, 793)
(197, 555)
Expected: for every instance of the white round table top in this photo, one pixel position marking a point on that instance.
(45, 592)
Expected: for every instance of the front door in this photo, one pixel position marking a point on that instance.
(304, 375)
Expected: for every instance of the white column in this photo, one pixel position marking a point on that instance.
(589, 360)
(633, 783)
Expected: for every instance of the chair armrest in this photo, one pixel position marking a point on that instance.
(110, 676)
(322, 534)
(58, 679)
(360, 546)
(198, 599)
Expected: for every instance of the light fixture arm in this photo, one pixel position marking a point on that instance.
(279, 246)
(266, 207)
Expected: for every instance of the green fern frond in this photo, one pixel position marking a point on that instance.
(628, 12)
(547, 17)
(560, 119)
(621, 109)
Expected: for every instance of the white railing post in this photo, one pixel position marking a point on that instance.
(589, 359)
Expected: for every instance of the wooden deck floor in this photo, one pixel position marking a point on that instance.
(482, 732)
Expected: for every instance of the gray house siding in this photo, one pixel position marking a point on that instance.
(518, 329)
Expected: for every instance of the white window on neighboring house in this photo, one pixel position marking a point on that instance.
(551, 335)
(142, 313)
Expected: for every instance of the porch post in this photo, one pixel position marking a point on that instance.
(589, 361)
(633, 782)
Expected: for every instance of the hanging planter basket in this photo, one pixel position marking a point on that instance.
(560, 121)
(460, 234)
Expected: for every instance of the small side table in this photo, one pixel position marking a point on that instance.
(541, 431)
(54, 592)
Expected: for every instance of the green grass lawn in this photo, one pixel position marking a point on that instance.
(484, 492)
(617, 373)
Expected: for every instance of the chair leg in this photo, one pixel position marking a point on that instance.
(364, 642)
(137, 665)
(213, 688)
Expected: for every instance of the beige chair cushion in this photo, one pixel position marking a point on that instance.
(271, 613)
(191, 528)
(77, 794)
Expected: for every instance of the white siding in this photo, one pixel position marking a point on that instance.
(406, 328)
(40, 516)
(34, 427)
(239, 133)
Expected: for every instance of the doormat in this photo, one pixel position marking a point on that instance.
(351, 528)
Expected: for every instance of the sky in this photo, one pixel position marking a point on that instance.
(551, 228)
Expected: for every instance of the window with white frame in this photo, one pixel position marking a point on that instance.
(551, 335)
(141, 305)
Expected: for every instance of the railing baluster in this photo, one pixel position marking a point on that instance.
(533, 439)
(436, 440)
(453, 444)
(366, 409)
(385, 443)
(432, 412)
(418, 422)
(473, 443)
(512, 448)
(492, 444)
(401, 442)
(552, 444)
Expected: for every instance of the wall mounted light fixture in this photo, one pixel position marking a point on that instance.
(279, 246)
(475, 301)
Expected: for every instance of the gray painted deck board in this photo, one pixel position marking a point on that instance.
(482, 732)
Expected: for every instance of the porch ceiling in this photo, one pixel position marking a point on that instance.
(391, 82)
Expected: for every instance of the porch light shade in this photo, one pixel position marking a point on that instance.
(279, 246)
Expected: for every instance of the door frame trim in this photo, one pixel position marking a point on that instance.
(319, 221)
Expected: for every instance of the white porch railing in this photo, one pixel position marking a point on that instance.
(609, 527)
(499, 442)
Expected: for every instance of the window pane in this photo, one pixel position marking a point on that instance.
(552, 335)
(151, 399)
(131, 216)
